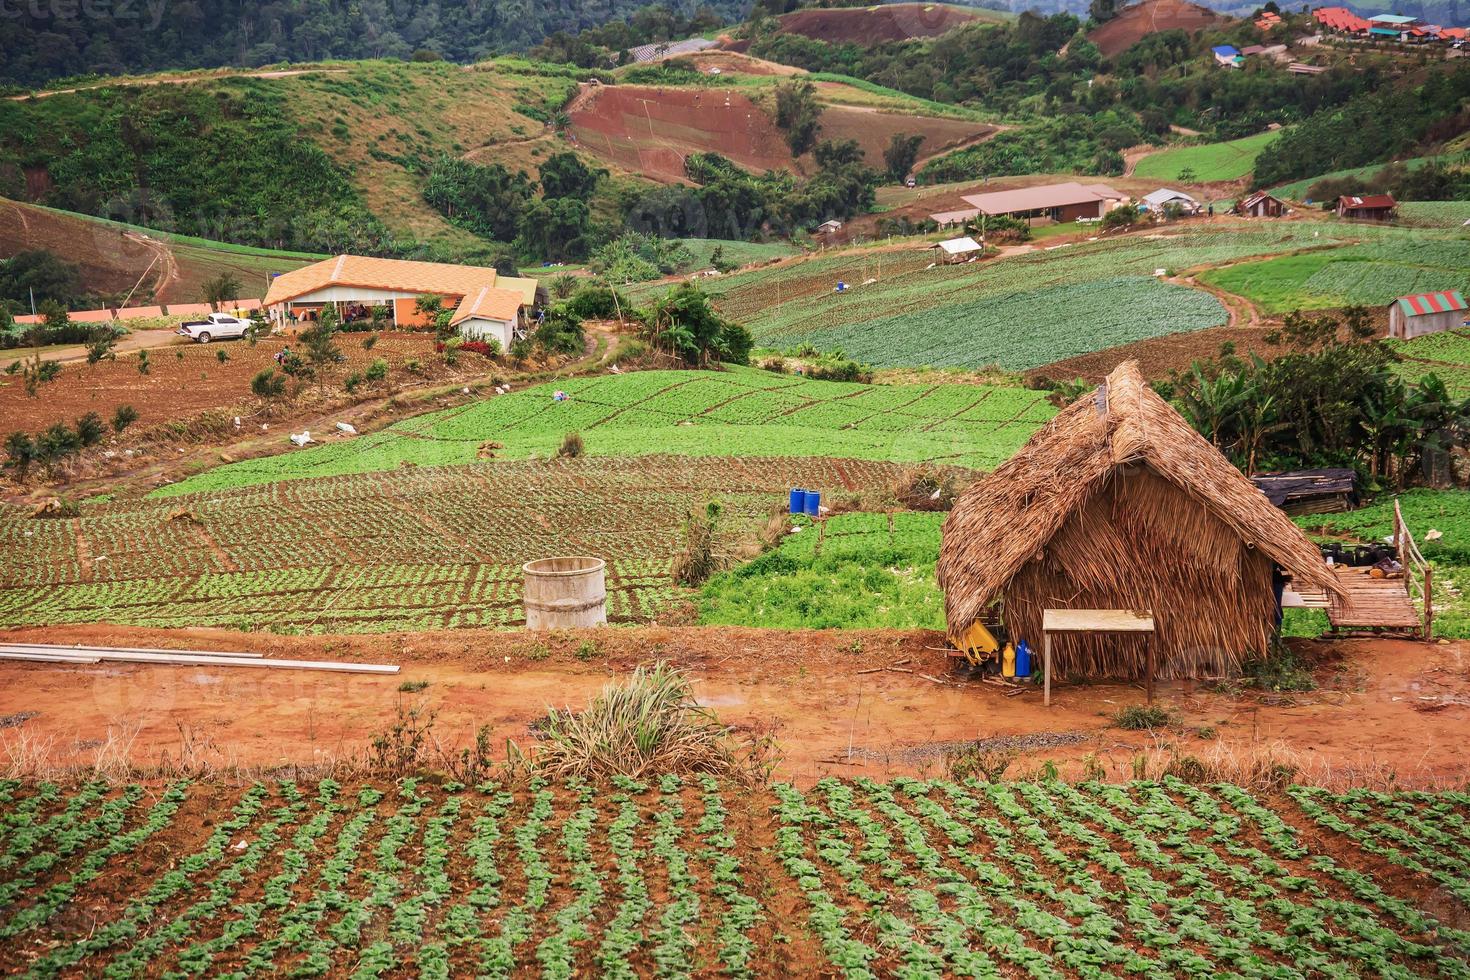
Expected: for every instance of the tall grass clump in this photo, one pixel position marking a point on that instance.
(648, 725)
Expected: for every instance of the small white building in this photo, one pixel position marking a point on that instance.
(829, 227)
(959, 249)
(1164, 197)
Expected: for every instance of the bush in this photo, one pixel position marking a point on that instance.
(485, 348)
(90, 429)
(268, 384)
(593, 302)
(1281, 671)
(20, 453)
(839, 370)
(352, 382)
(125, 416)
(649, 726)
(1138, 717)
(571, 446)
(376, 371)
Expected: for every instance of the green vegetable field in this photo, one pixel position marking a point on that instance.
(686, 877)
(737, 412)
(1016, 312)
(1446, 355)
(410, 550)
(1390, 263)
(1231, 160)
(863, 571)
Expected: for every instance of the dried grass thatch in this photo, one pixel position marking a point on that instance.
(1119, 504)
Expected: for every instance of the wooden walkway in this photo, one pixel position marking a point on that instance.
(1372, 603)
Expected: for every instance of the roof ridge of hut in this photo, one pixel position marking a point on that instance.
(1009, 517)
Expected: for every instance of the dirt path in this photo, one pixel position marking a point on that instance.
(129, 344)
(1379, 703)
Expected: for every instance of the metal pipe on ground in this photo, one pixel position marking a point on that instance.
(183, 659)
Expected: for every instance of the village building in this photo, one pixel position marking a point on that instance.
(1227, 56)
(486, 305)
(1069, 201)
(1262, 205)
(957, 250)
(1164, 198)
(829, 227)
(1366, 207)
(1426, 313)
(1117, 504)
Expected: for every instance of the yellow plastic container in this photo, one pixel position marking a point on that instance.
(1008, 662)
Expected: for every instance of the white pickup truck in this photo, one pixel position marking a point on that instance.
(217, 326)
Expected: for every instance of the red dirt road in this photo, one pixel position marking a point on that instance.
(1380, 705)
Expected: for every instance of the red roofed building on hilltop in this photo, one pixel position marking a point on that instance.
(1426, 313)
(1341, 20)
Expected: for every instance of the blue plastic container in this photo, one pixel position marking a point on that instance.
(798, 501)
(1023, 660)
(813, 503)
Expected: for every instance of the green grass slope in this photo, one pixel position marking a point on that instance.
(1231, 160)
(738, 412)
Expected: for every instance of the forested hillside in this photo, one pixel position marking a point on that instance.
(48, 41)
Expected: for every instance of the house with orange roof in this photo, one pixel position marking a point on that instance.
(485, 304)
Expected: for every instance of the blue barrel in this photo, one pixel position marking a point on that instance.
(1023, 660)
(813, 503)
(798, 501)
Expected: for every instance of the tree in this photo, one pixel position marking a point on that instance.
(798, 114)
(565, 175)
(125, 416)
(221, 289)
(557, 230)
(683, 323)
(102, 348)
(1102, 11)
(50, 276)
(57, 445)
(899, 158)
(487, 200)
(90, 429)
(20, 453)
(319, 342)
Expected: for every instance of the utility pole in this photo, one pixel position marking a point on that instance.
(33, 301)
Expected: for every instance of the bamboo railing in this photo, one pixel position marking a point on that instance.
(1418, 573)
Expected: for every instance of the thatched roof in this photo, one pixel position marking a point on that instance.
(1008, 518)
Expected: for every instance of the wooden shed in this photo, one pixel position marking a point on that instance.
(1366, 207)
(1118, 503)
(1426, 313)
(1262, 205)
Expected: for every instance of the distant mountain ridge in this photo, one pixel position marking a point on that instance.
(68, 40)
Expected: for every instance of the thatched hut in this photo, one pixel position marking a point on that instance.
(1119, 504)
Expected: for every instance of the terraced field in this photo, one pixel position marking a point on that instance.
(737, 412)
(415, 549)
(1389, 262)
(677, 878)
(1446, 355)
(1017, 313)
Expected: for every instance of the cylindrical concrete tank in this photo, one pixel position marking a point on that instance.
(565, 592)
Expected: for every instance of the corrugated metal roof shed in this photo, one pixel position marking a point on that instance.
(1422, 304)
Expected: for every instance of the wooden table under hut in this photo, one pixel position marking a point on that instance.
(1118, 504)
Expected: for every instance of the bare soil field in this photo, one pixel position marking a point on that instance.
(1150, 17)
(875, 25)
(185, 380)
(650, 130)
(117, 262)
(1381, 705)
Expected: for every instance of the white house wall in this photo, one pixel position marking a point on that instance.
(478, 328)
(353, 294)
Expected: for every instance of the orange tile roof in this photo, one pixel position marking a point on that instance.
(396, 275)
(489, 303)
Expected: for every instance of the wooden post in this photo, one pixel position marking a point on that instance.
(1428, 603)
(1149, 671)
(1046, 669)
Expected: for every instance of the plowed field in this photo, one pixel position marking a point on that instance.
(650, 130)
(1150, 17)
(878, 24)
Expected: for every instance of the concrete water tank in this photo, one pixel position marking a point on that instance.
(562, 593)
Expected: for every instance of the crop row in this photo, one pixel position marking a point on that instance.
(672, 879)
(737, 412)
